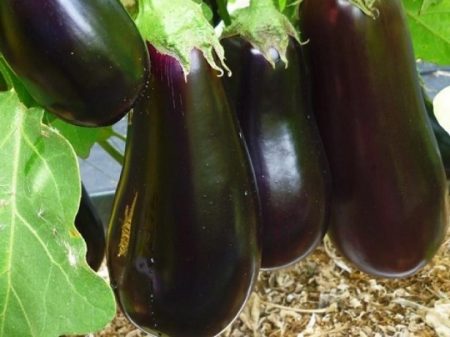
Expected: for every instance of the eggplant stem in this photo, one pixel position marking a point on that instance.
(223, 12)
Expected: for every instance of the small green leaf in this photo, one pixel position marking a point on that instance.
(176, 27)
(282, 5)
(207, 12)
(82, 139)
(46, 286)
(429, 23)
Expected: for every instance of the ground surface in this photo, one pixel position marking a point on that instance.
(326, 296)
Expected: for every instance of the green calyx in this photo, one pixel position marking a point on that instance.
(176, 27)
(264, 27)
(367, 7)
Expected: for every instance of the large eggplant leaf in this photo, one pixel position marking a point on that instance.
(428, 3)
(81, 138)
(46, 286)
(429, 22)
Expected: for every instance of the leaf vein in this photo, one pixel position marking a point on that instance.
(427, 27)
(17, 149)
(7, 137)
(19, 301)
(52, 175)
(32, 230)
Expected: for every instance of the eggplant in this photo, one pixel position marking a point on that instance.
(388, 214)
(90, 226)
(183, 245)
(286, 151)
(83, 60)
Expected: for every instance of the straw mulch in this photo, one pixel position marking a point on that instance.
(324, 295)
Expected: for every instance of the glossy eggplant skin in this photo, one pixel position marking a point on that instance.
(90, 226)
(388, 211)
(442, 137)
(287, 154)
(83, 60)
(184, 246)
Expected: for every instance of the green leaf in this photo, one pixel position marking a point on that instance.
(429, 23)
(15, 82)
(281, 5)
(207, 11)
(82, 139)
(46, 286)
(176, 27)
(427, 3)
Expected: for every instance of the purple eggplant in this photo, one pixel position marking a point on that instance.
(184, 247)
(83, 60)
(389, 193)
(287, 154)
(91, 228)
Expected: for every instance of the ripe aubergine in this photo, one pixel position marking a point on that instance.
(388, 211)
(183, 250)
(83, 60)
(287, 154)
(91, 228)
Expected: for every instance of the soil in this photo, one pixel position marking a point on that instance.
(324, 295)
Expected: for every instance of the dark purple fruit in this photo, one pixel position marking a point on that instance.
(291, 170)
(183, 249)
(389, 212)
(83, 60)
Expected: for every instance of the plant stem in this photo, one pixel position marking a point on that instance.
(223, 12)
(112, 151)
(118, 135)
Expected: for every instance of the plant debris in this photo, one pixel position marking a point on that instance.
(324, 295)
